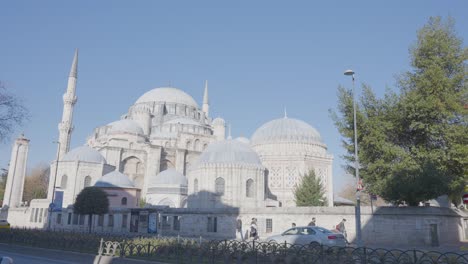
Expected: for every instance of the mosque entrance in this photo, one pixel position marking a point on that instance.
(134, 222)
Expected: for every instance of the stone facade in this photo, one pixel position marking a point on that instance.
(410, 226)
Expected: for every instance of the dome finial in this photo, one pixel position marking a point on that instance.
(285, 113)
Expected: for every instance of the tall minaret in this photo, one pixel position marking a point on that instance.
(16, 172)
(206, 105)
(69, 99)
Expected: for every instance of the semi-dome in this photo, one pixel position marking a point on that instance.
(84, 153)
(168, 177)
(285, 130)
(114, 179)
(229, 152)
(168, 95)
(243, 140)
(125, 126)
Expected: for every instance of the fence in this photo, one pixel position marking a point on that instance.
(232, 251)
(179, 250)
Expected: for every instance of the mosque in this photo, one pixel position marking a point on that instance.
(170, 152)
(169, 168)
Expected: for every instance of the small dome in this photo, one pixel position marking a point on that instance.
(168, 177)
(114, 179)
(125, 126)
(243, 140)
(168, 95)
(218, 121)
(229, 152)
(285, 130)
(84, 153)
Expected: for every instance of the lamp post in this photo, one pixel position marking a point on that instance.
(356, 167)
(51, 206)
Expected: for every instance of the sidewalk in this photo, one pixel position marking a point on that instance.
(34, 255)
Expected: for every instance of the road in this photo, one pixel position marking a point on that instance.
(30, 255)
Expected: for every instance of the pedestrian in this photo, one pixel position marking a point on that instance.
(293, 225)
(239, 233)
(341, 228)
(312, 223)
(254, 229)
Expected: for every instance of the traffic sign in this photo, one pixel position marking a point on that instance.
(465, 198)
(359, 185)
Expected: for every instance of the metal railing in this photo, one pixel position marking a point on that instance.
(182, 250)
(232, 251)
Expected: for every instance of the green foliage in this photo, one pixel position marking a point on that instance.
(310, 192)
(91, 201)
(412, 144)
(3, 178)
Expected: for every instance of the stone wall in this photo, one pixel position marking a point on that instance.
(384, 226)
(409, 226)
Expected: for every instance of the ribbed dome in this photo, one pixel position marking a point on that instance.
(229, 152)
(114, 179)
(169, 176)
(125, 126)
(169, 95)
(218, 121)
(84, 153)
(285, 130)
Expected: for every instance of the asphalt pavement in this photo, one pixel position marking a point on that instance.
(30, 255)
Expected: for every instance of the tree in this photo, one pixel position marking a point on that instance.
(310, 192)
(36, 183)
(3, 178)
(12, 112)
(412, 144)
(90, 201)
(349, 192)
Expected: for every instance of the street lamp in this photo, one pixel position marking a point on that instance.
(356, 166)
(51, 206)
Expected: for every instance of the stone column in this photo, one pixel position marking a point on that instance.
(16, 173)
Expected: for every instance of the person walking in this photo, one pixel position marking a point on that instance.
(312, 223)
(342, 229)
(239, 233)
(254, 229)
(293, 225)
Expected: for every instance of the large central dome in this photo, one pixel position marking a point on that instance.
(168, 95)
(285, 130)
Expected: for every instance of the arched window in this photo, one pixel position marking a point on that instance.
(196, 144)
(250, 188)
(134, 168)
(195, 185)
(187, 145)
(87, 181)
(124, 201)
(219, 186)
(63, 184)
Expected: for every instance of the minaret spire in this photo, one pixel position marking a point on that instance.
(69, 99)
(206, 104)
(285, 113)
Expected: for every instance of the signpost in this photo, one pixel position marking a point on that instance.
(465, 198)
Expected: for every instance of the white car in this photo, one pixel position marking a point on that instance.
(309, 235)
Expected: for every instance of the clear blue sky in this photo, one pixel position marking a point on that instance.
(259, 57)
